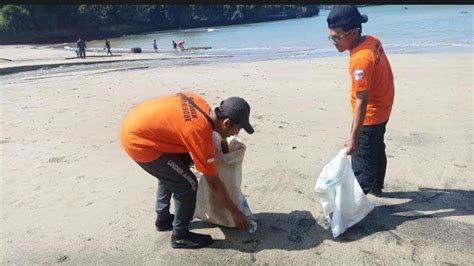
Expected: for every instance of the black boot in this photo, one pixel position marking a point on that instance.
(192, 240)
(377, 192)
(164, 225)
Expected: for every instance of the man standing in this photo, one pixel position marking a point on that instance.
(81, 45)
(165, 136)
(372, 95)
(155, 46)
(107, 46)
(174, 45)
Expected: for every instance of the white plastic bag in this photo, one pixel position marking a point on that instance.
(229, 166)
(343, 201)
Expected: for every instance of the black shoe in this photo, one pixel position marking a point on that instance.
(192, 240)
(164, 225)
(377, 192)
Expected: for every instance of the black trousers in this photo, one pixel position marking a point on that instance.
(369, 161)
(82, 53)
(176, 180)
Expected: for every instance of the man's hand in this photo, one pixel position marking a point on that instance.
(220, 192)
(240, 220)
(351, 144)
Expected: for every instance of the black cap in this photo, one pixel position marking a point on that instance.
(238, 110)
(345, 16)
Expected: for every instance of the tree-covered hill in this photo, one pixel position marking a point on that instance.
(62, 23)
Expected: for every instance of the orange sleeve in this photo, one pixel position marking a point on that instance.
(361, 74)
(200, 145)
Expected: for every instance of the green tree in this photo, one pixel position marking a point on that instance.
(91, 16)
(179, 16)
(44, 17)
(16, 19)
(99, 20)
(130, 14)
(67, 15)
(157, 16)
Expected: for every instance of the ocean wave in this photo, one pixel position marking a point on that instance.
(426, 44)
(242, 49)
(273, 49)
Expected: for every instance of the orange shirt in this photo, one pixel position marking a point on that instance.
(370, 71)
(169, 124)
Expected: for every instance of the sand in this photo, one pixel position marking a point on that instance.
(69, 194)
(21, 58)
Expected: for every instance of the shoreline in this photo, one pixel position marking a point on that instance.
(7, 70)
(30, 58)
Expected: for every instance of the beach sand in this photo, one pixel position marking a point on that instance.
(69, 193)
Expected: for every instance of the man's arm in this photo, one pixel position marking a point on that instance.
(360, 110)
(201, 147)
(222, 195)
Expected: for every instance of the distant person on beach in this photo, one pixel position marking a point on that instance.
(181, 45)
(166, 136)
(155, 46)
(107, 46)
(372, 94)
(175, 46)
(81, 45)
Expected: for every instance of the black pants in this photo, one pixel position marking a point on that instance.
(369, 161)
(174, 179)
(82, 53)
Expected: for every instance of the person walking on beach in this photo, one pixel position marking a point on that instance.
(372, 94)
(155, 46)
(81, 45)
(107, 46)
(175, 46)
(168, 134)
(181, 45)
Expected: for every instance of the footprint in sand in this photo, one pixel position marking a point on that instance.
(6, 140)
(62, 259)
(61, 159)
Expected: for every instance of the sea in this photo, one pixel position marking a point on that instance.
(401, 28)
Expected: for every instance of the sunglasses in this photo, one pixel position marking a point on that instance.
(338, 38)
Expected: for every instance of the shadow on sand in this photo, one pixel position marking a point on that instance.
(299, 230)
(426, 203)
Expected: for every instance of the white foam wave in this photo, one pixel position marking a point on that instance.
(425, 44)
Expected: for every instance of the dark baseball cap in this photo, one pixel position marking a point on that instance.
(238, 110)
(345, 16)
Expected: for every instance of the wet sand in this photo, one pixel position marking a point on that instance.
(22, 58)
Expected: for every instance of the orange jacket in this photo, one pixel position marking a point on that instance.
(370, 71)
(169, 124)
